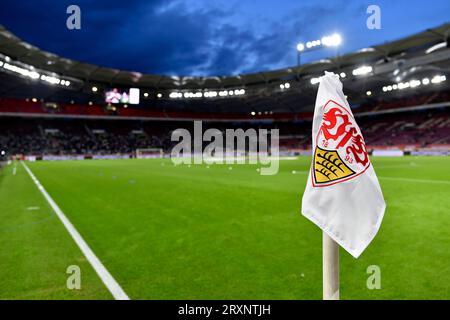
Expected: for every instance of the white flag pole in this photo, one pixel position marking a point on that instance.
(330, 268)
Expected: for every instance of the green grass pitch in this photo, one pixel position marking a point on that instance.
(199, 232)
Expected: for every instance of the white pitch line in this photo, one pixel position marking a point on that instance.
(14, 170)
(102, 272)
(416, 180)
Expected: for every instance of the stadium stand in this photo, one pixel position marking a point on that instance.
(54, 109)
(39, 136)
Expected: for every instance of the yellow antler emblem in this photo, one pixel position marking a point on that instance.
(328, 167)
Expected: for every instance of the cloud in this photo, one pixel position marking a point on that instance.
(196, 37)
(167, 37)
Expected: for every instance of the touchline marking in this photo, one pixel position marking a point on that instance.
(416, 180)
(14, 170)
(102, 272)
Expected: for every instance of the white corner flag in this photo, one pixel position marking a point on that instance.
(342, 196)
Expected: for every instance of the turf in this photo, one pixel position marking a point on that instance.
(36, 250)
(199, 232)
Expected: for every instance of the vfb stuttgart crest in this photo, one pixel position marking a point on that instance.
(340, 153)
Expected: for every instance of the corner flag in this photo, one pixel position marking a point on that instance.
(342, 196)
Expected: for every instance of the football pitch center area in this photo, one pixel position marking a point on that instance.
(213, 232)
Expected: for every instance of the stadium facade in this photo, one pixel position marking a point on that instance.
(52, 107)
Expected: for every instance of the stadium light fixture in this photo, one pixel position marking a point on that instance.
(315, 81)
(253, 113)
(189, 95)
(65, 83)
(402, 85)
(436, 47)
(29, 72)
(210, 94)
(34, 100)
(205, 94)
(363, 70)
(22, 71)
(146, 94)
(175, 95)
(50, 79)
(415, 83)
(333, 40)
(94, 89)
(284, 86)
(300, 47)
(369, 93)
(159, 95)
(438, 79)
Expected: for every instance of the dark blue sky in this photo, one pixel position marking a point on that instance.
(210, 37)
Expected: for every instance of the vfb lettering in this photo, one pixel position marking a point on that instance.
(340, 152)
(338, 127)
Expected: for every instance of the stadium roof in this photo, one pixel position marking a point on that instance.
(418, 63)
(14, 47)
